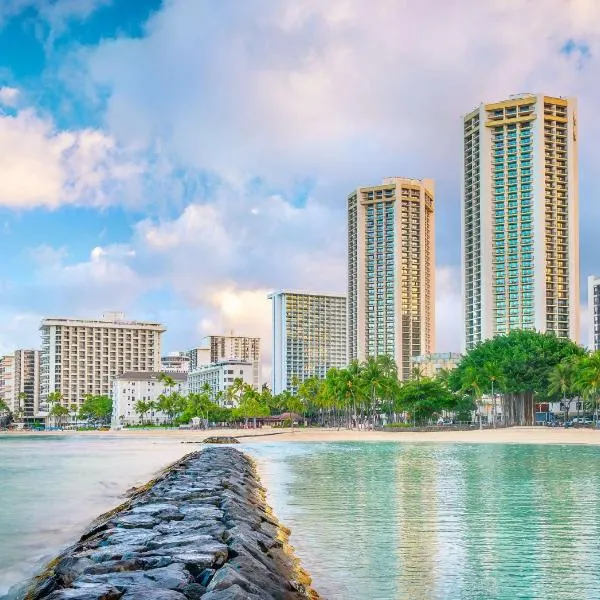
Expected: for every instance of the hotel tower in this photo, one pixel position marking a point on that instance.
(391, 269)
(520, 237)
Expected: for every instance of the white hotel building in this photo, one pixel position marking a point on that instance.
(80, 357)
(219, 377)
(309, 336)
(130, 388)
(520, 213)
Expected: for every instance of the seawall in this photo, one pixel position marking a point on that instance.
(200, 530)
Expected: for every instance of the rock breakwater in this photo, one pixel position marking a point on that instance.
(200, 530)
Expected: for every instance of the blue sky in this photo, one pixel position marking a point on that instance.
(179, 159)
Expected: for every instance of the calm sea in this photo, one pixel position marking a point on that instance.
(369, 520)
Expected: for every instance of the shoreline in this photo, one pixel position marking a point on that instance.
(202, 527)
(513, 435)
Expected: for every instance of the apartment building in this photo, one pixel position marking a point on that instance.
(391, 271)
(80, 357)
(309, 336)
(198, 357)
(137, 386)
(175, 362)
(232, 347)
(220, 376)
(26, 383)
(594, 311)
(430, 365)
(7, 366)
(520, 212)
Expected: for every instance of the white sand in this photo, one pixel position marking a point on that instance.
(514, 435)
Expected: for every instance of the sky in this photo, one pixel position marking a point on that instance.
(179, 159)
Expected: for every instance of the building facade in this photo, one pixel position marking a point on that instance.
(80, 357)
(136, 386)
(7, 367)
(26, 383)
(391, 271)
(198, 357)
(232, 347)
(594, 311)
(309, 337)
(175, 362)
(220, 376)
(429, 365)
(520, 236)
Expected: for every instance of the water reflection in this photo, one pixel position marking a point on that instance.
(386, 521)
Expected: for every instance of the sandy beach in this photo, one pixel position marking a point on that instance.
(513, 435)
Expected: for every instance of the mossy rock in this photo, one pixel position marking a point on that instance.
(221, 439)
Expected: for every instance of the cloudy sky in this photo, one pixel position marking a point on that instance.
(179, 159)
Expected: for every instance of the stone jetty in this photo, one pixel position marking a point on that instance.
(202, 529)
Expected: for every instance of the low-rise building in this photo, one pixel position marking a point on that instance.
(175, 362)
(220, 376)
(199, 357)
(135, 386)
(430, 365)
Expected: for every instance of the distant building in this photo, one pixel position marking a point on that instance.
(520, 218)
(134, 386)
(309, 336)
(7, 374)
(391, 271)
(220, 377)
(175, 362)
(594, 308)
(198, 357)
(235, 347)
(430, 365)
(26, 383)
(81, 356)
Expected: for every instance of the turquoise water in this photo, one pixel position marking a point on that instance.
(369, 520)
(421, 522)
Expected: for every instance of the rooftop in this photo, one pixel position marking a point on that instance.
(150, 376)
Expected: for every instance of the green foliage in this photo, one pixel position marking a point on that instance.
(97, 409)
(425, 398)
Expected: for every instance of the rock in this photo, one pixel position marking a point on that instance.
(227, 577)
(89, 592)
(172, 577)
(132, 537)
(214, 529)
(179, 539)
(150, 593)
(132, 564)
(194, 591)
(153, 508)
(130, 521)
(203, 513)
(235, 592)
(220, 439)
(70, 568)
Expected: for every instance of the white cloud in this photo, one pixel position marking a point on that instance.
(8, 96)
(48, 167)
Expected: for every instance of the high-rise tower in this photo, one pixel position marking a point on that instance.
(520, 231)
(391, 271)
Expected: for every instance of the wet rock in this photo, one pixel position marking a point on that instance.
(90, 592)
(131, 521)
(133, 537)
(227, 577)
(172, 577)
(150, 593)
(154, 508)
(221, 439)
(235, 592)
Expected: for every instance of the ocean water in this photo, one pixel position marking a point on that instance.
(51, 487)
(448, 522)
(369, 520)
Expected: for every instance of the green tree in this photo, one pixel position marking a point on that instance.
(562, 382)
(588, 379)
(142, 408)
(424, 399)
(96, 409)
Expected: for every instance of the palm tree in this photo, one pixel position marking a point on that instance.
(492, 372)
(561, 381)
(471, 382)
(141, 408)
(589, 378)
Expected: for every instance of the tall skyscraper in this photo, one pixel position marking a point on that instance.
(594, 311)
(7, 375)
(520, 211)
(391, 271)
(81, 357)
(235, 347)
(309, 336)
